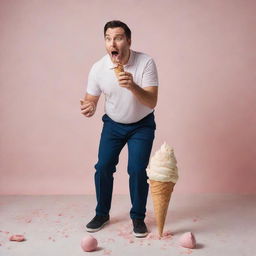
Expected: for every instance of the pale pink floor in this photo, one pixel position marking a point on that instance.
(54, 225)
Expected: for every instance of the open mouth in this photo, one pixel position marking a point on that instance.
(114, 53)
(115, 56)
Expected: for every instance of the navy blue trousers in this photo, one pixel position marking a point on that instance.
(139, 138)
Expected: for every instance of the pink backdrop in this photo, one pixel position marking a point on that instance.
(206, 58)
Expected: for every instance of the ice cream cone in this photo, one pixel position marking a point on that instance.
(162, 172)
(161, 195)
(119, 68)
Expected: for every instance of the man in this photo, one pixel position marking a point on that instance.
(130, 99)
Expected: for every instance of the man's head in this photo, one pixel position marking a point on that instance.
(117, 41)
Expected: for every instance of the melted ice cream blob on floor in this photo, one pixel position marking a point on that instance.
(188, 240)
(89, 243)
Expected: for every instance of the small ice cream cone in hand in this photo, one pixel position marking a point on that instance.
(119, 68)
(163, 175)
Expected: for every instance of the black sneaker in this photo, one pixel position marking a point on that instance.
(139, 228)
(97, 223)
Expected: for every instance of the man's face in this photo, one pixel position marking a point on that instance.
(117, 45)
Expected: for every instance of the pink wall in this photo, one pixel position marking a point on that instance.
(206, 57)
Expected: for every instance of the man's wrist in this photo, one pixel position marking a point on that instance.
(134, 88)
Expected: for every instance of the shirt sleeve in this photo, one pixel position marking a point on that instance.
(150, 76)
(93, 87)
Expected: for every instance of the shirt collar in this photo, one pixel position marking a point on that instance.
(111, 65)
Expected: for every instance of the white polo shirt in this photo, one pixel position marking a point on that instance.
(120, 104)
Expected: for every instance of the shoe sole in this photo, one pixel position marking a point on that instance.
(91, 230)
(140, 234)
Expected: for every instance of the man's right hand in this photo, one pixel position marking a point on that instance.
(87, 108)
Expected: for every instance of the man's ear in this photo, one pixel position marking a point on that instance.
(129, 42)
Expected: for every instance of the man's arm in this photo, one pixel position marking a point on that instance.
(89, 104)
(146, 96)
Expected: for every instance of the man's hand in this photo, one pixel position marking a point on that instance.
(87, 108)
(125, 80)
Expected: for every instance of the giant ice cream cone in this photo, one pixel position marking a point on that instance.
(163, 175)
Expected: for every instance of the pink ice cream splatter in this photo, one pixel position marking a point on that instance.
(167, 235)
(37, 213)
(197, 218)
(107, 252)
(152, 236)
(28, 220)
(188, 251)
(131, 241)
(50, 238)
(125, 232)
(17, 238)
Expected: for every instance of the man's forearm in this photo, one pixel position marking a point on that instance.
(91, 98)
(144, 97)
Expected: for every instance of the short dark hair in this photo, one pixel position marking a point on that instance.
(117, 24)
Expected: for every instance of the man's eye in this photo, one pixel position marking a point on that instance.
(119, 38)
(107, 39)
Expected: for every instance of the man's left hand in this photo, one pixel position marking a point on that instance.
(126, 80)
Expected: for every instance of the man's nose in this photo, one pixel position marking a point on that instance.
(113, 43)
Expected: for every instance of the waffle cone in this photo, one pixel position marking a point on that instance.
(118, 69)
(161, 195)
